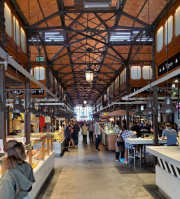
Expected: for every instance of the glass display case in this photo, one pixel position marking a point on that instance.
(36, 152)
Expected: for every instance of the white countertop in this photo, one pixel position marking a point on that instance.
(170, 154)
(143, 141)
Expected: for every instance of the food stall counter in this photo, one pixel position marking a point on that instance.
(167, 169)
(109, 138)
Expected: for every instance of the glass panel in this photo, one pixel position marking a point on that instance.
(159, 39)
(8, 20)
(170, 30)
(135, 72)
(177, 21)
(23, 40)
(39, 73)
(147, 72)
(16, 31)
(122, 77)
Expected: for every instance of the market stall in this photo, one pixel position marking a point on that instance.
(110, 132)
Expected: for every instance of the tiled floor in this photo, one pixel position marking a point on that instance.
(84, 173)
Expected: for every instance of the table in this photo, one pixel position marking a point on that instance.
(167, 169)
(142, 142)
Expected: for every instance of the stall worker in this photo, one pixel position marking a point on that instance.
(170, 134)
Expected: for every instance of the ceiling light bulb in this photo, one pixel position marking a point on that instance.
(176, 80)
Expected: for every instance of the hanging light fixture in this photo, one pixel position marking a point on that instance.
(168, 107)
(150, 109)
(2, 105)
(31, 109)
(89, 72)
(85, 101)
(17, 105)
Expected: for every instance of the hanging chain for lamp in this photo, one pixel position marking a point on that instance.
(167, 106)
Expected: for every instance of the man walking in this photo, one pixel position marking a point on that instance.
(97, 136)
(90, 129)
(75, 133)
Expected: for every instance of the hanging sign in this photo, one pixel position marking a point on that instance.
(21, 92)
(39, 58)
(173, 62)
(133, 89)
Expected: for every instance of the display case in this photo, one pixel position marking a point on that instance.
(40, 155)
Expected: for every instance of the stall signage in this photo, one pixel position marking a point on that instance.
(104, 115)
(39, 58)
(173, 62)
(1, 146)
(133, 89)
(21, 92)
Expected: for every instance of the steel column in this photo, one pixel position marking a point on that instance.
(27, 116)
(2, 114)
(127, 93)
(155, 96)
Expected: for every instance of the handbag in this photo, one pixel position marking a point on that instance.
(120, 143)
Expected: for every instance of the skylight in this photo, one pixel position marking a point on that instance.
(128, 36)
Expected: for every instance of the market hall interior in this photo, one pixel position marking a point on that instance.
(85, 173)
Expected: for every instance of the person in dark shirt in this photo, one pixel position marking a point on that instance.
(137, 129)
(75, 133)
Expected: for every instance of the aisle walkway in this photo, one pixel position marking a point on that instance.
(84, 173)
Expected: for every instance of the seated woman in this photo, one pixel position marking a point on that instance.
(127, 134)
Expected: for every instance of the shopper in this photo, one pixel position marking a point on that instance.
(84, 133)
(75, 133)
(17, 179)
(170, 134)
(90, 129)
(127, 134)
(123, 124)
(71, 136)
(66, 135)
(119, 146)
(97, 136)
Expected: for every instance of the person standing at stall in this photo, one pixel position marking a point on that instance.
(97, 136)
(90, 129)
(170, 134)
(16, 182)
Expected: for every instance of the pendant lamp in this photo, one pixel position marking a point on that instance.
(2, 105)
(137, 111)
(150, 109)
(17, 105)
(31, 109)
(168, 107)
(89, 72)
